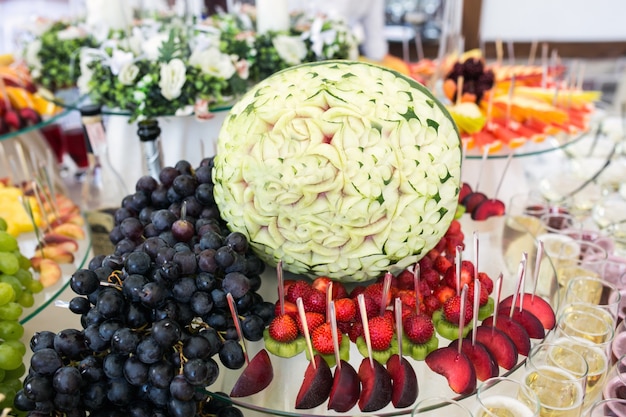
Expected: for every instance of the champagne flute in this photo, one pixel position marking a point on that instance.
(591, 336)
(618, 347)
(505, 397)
(552, 368)
(436, 406)
(609, 210)
(596, 291)
(521, 225)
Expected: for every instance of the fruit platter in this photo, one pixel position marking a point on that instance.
(211, 302)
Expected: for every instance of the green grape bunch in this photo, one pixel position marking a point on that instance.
(17, 286)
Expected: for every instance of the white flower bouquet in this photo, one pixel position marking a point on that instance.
(164, 68)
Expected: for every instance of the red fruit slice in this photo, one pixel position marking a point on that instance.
(528, 320)
(403, 382)
(537, 305)
(514, 330)
(499, 345)
(346, 389)
(375, 386)
(473, 200)
(488, 208)
(466, 190)
(455, 366)
(485, 364)
(255, 377)
(318, 380)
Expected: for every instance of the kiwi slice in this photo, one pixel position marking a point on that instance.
(486, 310)
(419, 351)
(449, 330)
(344, 352)
(380, 356)
(284, 350)
(437, 315)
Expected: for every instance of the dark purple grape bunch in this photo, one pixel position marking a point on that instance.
(476, 78)
(155, 317)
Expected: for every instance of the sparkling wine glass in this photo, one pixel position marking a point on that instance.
(596, 291)
(552, 368)
(615, 386)
(500, 396)
(591, 336)
(610, 407)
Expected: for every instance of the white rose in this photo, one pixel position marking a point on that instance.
(120, 59)
(172, 78)
(71, 32)
(151, 46)
(291, 49)
(128, 73)
(212, 62)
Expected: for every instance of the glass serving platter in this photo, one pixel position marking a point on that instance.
(28, 243)
(279, 397)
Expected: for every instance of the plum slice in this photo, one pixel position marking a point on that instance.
(472, 200)
(485, 364)
(316, 385)
(514, 330)
(255, 377)
(455, 366)
(528, 320)
(376, 386)
(466, 190)
(488, 208)
(499, 344)
(536, 305)
(346, 388)
(403, 381)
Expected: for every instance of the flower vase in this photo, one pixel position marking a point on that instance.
(182, 138)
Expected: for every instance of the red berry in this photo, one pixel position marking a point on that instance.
(283, 328)
(441, 264)
(431, 277)
(431, 304)
(418, 328)
(313, 320)
(452, 310)
(298, 289)
(315, 301)
(425, 263)
(345, 309)
(443, 292)
(290, 309)
(381, 332)
(375, 291)
(322, 339)
(486, 282)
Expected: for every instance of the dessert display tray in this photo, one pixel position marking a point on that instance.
(279, 397)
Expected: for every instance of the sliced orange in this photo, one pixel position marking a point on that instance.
(20, 98)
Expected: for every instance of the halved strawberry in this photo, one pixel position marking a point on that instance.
(418, 328)
(431, 277)
(321, 284)
(485, 282)
(283, 328)
(443, 292)
(431, 304)
(290, 309)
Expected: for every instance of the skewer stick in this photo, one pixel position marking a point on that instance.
(281, 286)
(398, 315)
(533, 52)
(366, 327)
(499, 52)
(476, 306)
(385, 294)
(520, 273)
(416, 284)
(459, 89)
(333, 330)
(233, 312)
(511, 52)
(538, 263)
(462, 317)
(496, 304)
(482, 166)
(305, 330)
(506, 168)
(457, 262)
(329, 298)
